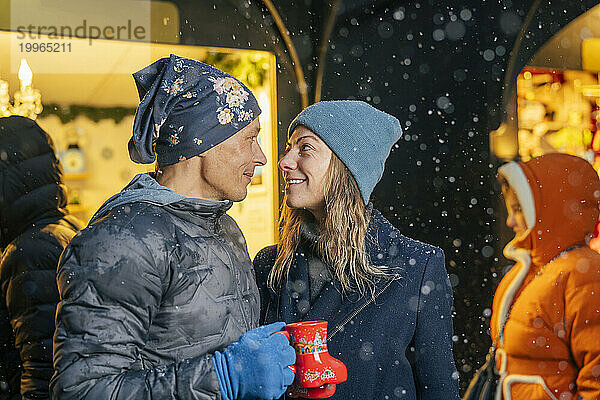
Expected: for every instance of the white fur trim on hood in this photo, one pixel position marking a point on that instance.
(523, 259)
(517, 180)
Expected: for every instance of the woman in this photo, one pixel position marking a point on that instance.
(386, 297)
(546, 318)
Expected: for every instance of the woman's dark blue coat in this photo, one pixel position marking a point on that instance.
(396, 347)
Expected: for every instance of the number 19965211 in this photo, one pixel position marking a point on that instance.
(45, 47)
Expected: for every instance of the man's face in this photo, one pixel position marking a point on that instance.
(227, 168)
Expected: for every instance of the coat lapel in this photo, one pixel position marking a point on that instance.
(295, 294)
(330, 305)
(327, 304)
(337, 309)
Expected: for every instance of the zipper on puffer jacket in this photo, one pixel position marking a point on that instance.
(357, 311)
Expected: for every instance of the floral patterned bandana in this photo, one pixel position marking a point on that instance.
(186, 107)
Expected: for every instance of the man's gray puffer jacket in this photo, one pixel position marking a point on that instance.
(149, 290)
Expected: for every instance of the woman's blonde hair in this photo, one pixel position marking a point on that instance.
(342, 234)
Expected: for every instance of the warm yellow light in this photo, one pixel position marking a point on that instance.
(575, 117)
(596, 144)
(590, 90)
(527, 75)
(590, 54)
(25, 73)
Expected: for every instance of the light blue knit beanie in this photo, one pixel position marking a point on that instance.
(359, 134)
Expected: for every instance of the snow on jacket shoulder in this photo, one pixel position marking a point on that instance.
(148, 293)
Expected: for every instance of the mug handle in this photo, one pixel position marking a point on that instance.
(287, 335)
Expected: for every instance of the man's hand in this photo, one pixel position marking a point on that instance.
(256, 366)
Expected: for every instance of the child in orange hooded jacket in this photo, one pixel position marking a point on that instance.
(548, 304)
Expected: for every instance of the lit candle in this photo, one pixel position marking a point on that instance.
(27, 101)
(25, 74)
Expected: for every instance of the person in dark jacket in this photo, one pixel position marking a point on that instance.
(158, 295)
(35, 227)
(386, 297)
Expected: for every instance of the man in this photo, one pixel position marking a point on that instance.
(35, 229)
(158, 286)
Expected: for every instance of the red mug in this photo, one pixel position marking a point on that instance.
(316, 370)
(320, 392)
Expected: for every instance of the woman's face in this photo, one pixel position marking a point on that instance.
(516, 218)
(304, 169)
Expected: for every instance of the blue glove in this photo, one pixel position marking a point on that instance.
(256, 366)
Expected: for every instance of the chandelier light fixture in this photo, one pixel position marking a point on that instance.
(27, 100)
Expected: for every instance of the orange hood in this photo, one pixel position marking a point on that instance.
(559, 195)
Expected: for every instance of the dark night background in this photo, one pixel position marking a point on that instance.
(439, 66)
